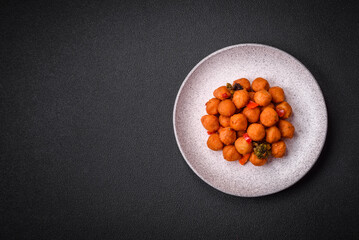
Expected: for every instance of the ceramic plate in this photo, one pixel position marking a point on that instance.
(280, 69)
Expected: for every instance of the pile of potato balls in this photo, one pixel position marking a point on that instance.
(248, 122)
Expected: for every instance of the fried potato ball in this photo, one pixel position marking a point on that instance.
(256, 131)
(226, 108)
(277, 94)
(244, 83)
(260, 84)
(252, 114)
(278, 149)
(230, 153)
(257, 161)
(269, 117)
(224, 121)
(271, 105)
(242, 146)
(214, 143)
(222, 93)
(238, 122)
(240, 98)
(273, 134)
(287, 109)
(212, 106)
(230, 119)
(227, 135)
(251, 96)
(210, 123)
(240, 133)
(262, 97)
(286, 129)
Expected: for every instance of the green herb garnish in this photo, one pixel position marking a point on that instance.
(261, 149)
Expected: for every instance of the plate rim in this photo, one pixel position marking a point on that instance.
(217, 52)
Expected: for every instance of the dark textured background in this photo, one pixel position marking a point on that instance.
(87, 144)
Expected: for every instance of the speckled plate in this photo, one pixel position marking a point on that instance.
(280, 69)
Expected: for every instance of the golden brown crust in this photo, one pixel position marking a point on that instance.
(256, 131)
(286, 129)
(277, 94)
(269, 117)
(244, 82)
(262, 97)
(226, 108)
(224, 121)
(271, 105)
(227, 135)
(212, 106)
(210, 123)
(260, 84)
(214, 143)
(242, 146)
(238, 122)
(257, 161)
(252, 114)
(222, 93)
(240, 98)
(230, 153)
(278, 149)
(273, 134)
(287, 109)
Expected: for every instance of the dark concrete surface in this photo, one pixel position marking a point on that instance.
(87, 90)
